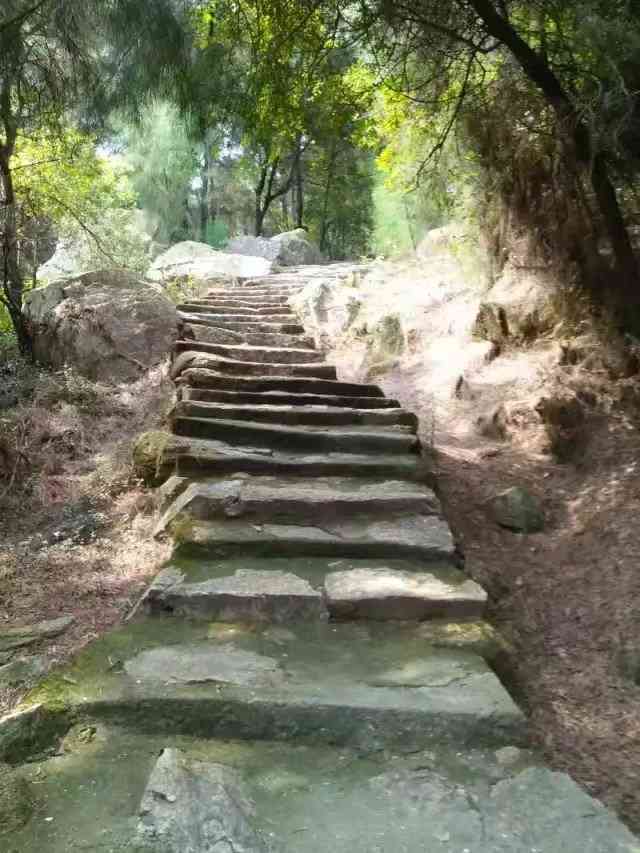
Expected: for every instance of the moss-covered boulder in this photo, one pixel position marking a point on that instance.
(149, 456)
(16, 801)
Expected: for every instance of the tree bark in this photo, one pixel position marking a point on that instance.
(12, 282)
(299, 185)
(324, 224)
(578, 137)
(204, 195)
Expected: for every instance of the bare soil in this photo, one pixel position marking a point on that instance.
(76, 524)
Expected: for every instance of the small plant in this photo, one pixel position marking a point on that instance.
(183, 288)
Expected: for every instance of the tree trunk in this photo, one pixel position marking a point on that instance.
(204, 195)
(12, 283)
(299, 186)
(325, 204)
(578, 137)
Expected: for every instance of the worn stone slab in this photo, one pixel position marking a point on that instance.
(16, 638)
(299, 415)
(314, 439)
(215, 335)
(282, 398)
(204, 664)
(245, 596)
(204, 378)
(193, 359)
(238, 316)
(199, 456)
(388, 594)
(322, 499)
(192, 806)
(425, 537)
(204, 320)
(247, 353)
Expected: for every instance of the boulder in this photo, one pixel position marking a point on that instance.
(565, 423)
(18, 638)
(110, 325)
(191, 806)
(518, 306)
(289, 249)
(128, 234)
(517, 510)
(202, 263)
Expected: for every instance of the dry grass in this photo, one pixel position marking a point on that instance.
(76, 523)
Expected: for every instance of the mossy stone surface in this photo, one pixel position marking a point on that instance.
(16, 801)
(148, 455)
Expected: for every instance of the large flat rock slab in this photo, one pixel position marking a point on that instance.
(282, 398)
(344, 439)
(248, 595)
(298, 415)
(246, 352)
(193, 358)
(383, 593)
(310, 799)
(203, 664)
(309, 682)
(299, 500)
(197, 457)
(196, 807)
(203, 378)
(265, 590)
(423, 537)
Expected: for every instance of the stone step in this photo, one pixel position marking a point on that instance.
(297, 415)
(297, 500)
(190, 358)
(223, 323)
(281, 398)
(251, 303)
(246, 352)
(193, 457)
(254, 312)
(217, 335)
(408, 537)
(302, 438)
(202, 378)
(255, 286)
(267, 590)
(312, 682)
(235, 316)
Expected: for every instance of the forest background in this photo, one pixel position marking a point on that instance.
(134, 125)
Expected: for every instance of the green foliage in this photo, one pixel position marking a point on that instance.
(217, 235)
(162, 160)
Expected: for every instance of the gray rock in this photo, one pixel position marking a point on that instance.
(388, 594)
(200, 262)
(508, 755)
(195, 807)
(16, 803)
(305, 500)
(289, 249)
(493, 424)
(17, 638)
(246, 596)
(202, 664)
(110, 325)
(517, 510)
(539, 809)
(22, 671)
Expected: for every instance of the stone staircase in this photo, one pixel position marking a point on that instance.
(313, 662)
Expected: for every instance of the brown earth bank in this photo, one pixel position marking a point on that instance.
(75, 523)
